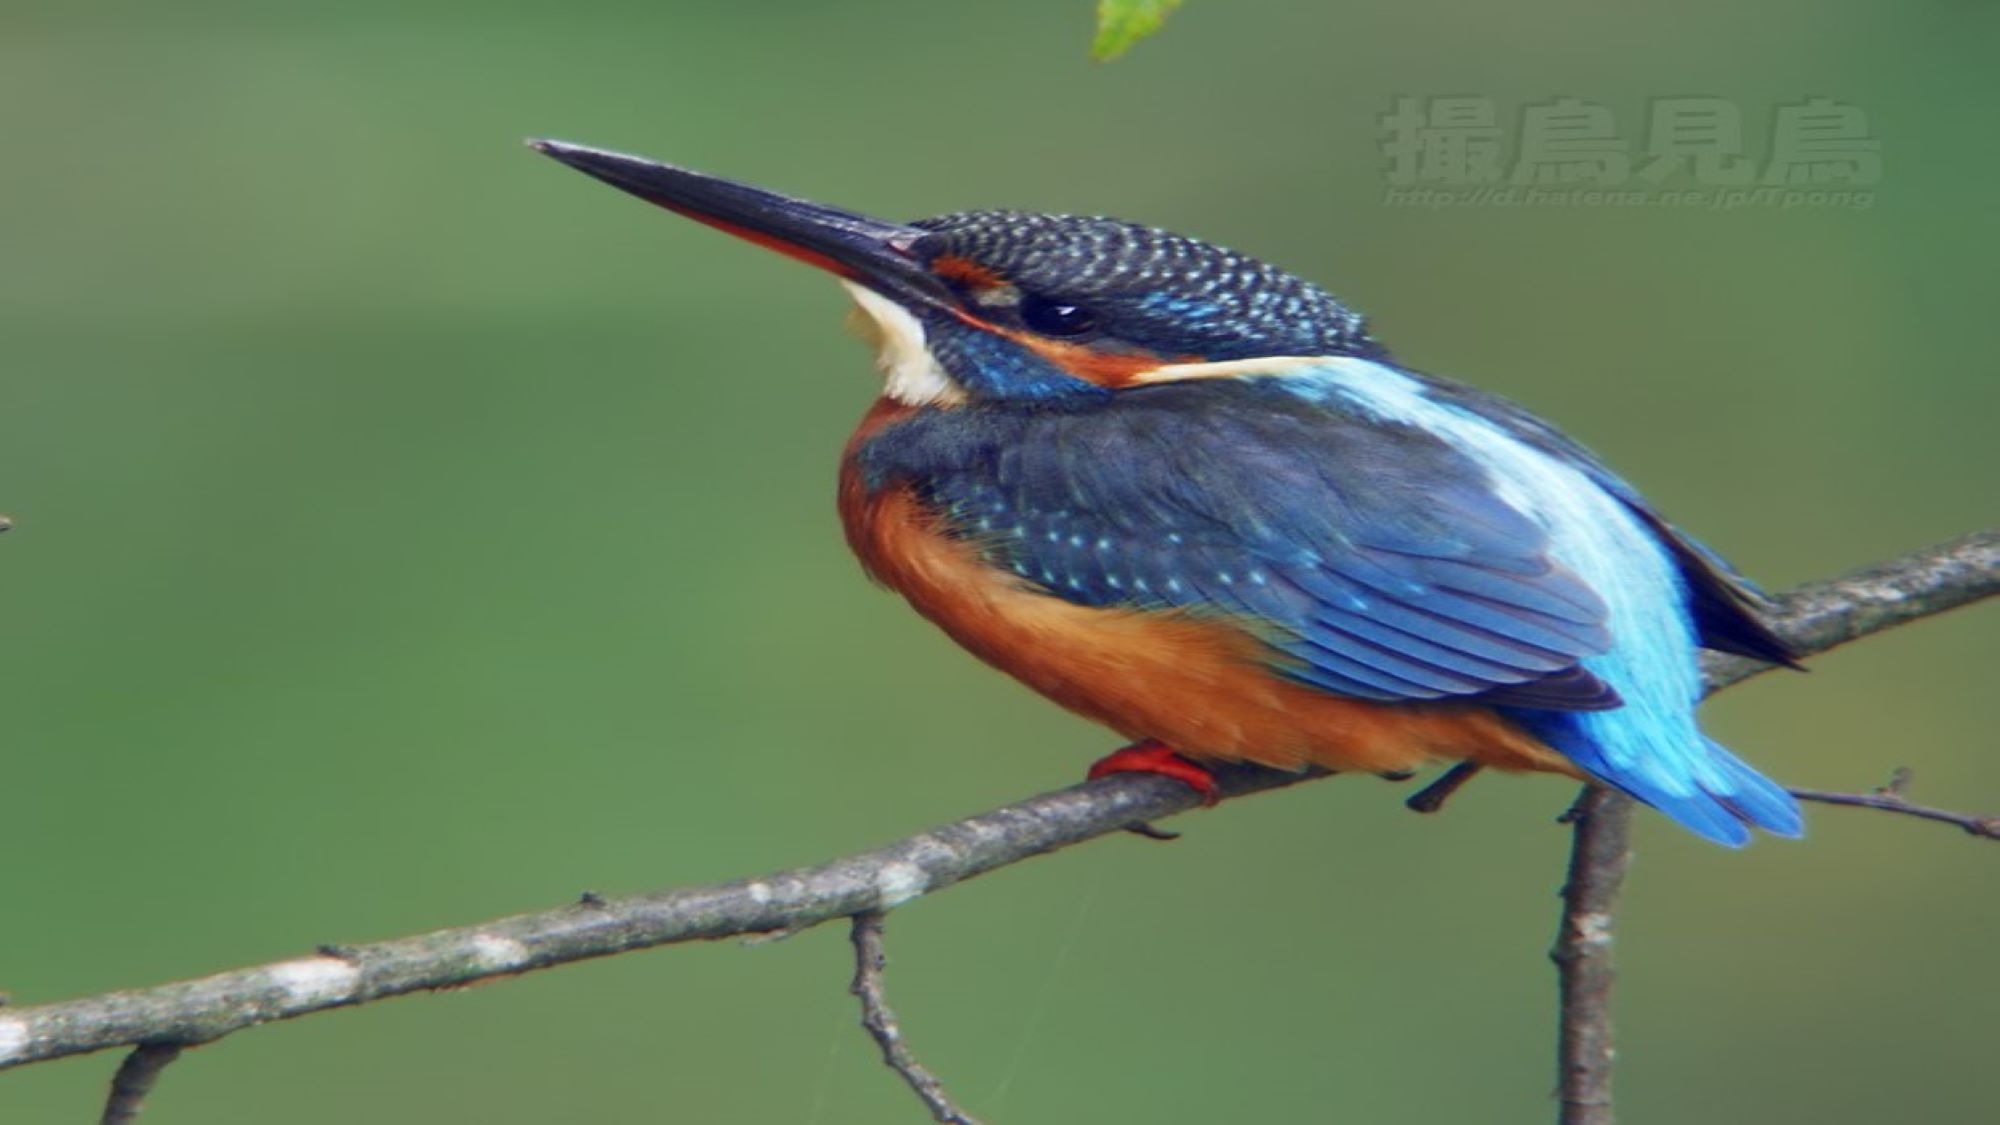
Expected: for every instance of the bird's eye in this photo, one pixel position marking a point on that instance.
(1053, 318)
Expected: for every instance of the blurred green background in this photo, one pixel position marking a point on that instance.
(413, 531)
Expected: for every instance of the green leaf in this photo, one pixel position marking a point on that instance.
(1121, 23)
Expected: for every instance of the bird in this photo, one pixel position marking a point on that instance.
(1189, 495)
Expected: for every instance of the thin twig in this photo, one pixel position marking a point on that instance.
(1817, 617)
(881, 1022)
(134, 1080)
(1602, 823)
(1890, 799)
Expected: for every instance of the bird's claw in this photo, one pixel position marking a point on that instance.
(1157, 758)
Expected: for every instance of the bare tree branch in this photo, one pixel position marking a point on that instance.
(1602, 822)
(882, 1025)
(1823, 615)
(197, 1011)
(134, 1080)
(1599, 856)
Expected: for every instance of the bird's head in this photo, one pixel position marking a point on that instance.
(1015, 306)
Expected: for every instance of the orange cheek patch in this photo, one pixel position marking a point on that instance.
(966, 271)
(1106, 369)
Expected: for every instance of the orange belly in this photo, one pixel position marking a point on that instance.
(1198, 684)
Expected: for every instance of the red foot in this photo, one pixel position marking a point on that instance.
(1154, 757)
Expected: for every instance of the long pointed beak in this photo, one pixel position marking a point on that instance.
(869, 251)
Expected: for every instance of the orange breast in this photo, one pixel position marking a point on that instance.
(1198, 684)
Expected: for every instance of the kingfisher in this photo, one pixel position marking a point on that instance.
(1190, 496)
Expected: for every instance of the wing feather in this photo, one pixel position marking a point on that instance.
(1379, 561)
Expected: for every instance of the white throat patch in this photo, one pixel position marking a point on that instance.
(911, 373)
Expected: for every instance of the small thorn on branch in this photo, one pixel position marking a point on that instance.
(1889, 797)
(1432, 797)
(882, 1025)
(134, 1080)
(1899, 781)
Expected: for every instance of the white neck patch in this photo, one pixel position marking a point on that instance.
(911, 373)
(1231, 368)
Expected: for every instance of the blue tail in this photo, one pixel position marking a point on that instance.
(1702, 786)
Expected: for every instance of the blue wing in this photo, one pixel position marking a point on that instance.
(1376, 558)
